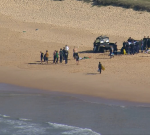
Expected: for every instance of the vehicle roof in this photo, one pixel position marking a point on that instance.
(103, 37)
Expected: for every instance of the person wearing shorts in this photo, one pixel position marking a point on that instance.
(77, 58)
(46, 56)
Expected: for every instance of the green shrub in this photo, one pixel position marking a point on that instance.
(134, 4)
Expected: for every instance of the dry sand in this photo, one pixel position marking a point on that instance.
(30, 26)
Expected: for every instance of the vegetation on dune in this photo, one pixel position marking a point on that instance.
(134, 4)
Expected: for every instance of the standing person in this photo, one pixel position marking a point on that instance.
(66, 47)
(42, 56)
(129, 39)
(115, 48)
(77, 58)
(127, 47)
(66, 56)
(144, 42)
(99, 67)
(54, 56)
(61, 55)
(111, 52)
(124, 44)
(148, 42)
(132, 47)
(74, 52)
(46, 56)
(142, 45)
(137, 46)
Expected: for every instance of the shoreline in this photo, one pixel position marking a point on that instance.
(49, 80)
(25, 32)
(14, 89)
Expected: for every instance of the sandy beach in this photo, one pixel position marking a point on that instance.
(28, 27)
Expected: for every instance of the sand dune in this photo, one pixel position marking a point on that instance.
(76, 14)
(30, 26)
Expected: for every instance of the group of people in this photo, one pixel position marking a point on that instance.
(44, 57)
(61, 55)
(132, 46)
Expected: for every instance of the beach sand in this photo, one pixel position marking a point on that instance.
(28, 27)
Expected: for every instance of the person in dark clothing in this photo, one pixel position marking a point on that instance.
(64, 53)
(110, 51)
(127, 48)
(61, 55)
(54, 56)
(115, 48)
(132, 47)
(129, 39)
(42, 56)
(76, 55)
(124, 44)
(100, 67)
(66, 56)
(137, 46)
(144, 42)
(148, 42)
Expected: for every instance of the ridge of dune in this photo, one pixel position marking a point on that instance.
(77, 14)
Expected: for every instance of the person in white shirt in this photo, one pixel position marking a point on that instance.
(66, 48)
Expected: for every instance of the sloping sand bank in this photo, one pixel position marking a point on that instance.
(28, 27)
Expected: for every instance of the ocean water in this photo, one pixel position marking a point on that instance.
(25, 111)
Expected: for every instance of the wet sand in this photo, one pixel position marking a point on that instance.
(28, 27)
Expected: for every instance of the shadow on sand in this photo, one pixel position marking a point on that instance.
(34, 63)
(104, 58)
(87, 51)
(144, 56)
(92, 73)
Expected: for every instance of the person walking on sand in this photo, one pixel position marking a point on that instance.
(99, 67)
(42, 56)
(46, 56)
